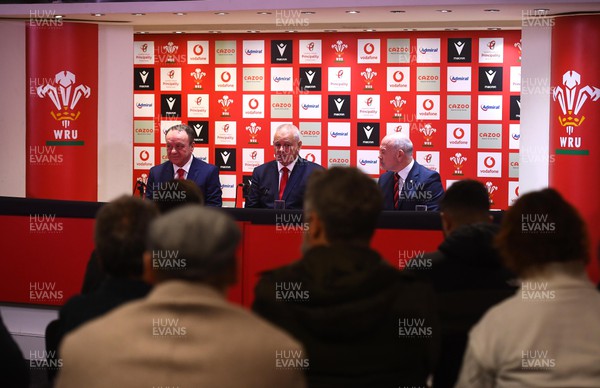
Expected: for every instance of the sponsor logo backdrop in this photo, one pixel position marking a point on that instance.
(452, 93)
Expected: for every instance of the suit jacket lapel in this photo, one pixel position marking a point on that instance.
(408, 186)
(167, 172)
(273, 171)
(194, 169)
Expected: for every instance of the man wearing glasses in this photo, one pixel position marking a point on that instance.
(281, 183)
(182, 164)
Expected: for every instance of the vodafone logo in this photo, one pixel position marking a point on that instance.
(310, 46)
(171, 74)
(517, 191)
(369, 48)
(226, 128)
(311, 157)
(398, 76)
(144, 155)
(428, 158)
(144, 47)
(253, 155)
(428, 104)
(199, 101)
(340, 73)
(253, 103)
(459, 133)
(198, 49)
(489, 162)
(225, 76)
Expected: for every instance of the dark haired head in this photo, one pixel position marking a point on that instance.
(175, 193)
(542, 228)
(347, 202)
(120, 235)
(465, 202)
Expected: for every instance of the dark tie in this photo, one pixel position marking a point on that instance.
(181, 173)
(285, 173)
(396, 191)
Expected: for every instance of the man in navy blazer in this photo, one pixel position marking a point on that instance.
(183, 165)
(417, 185)
(268, 182)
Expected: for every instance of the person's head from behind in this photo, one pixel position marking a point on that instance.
(465, 202)
(341, 205)
(539, 229)
(180, 144)
(192, 243)
(175, 193)
(120, 235)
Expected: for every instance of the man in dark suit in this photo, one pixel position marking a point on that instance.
(183, 165)
(406, 183)
(283, 178)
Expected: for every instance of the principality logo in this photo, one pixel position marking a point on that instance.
(65, 96)
(492, 44)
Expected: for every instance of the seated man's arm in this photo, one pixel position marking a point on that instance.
(434, 190)
(254, 194)
(213, 192)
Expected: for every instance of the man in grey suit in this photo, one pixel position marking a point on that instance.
(184, 333)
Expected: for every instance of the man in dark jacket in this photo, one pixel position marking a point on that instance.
(363, 323)
(465, 271)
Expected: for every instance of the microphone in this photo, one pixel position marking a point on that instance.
(140, 187)
(244, 187)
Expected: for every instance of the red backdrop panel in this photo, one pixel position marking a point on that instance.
(62, 111)
(575, 119)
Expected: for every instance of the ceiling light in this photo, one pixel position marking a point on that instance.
(59, 16)
(398, 11)
(221, 13)
(308, 12)
(179, 32)
(138, 14)
(494, 28)
(97, 14)
(264, 13)
(491, 10)
(291, 31)
(180, 13)
(252, 31)
(142, 32)
(329, 30)
(444, 10)
(541, 10)
(352, 12)
(214, 32)
(369, 30)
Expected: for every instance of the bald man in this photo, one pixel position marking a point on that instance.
(406, 184)
(285, 177)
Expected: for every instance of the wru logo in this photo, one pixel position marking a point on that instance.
(65, 96)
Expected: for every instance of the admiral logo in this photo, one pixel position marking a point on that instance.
(368, 161)
(141, 105)
(364, 162)
(144, 79)
(339, 107)
(253, 51)
(459, 50)
(281, 51)
(425, 50)
(368, 134)
(310, 106)
(225, 159)
(335, 134)
(278, 79)
(456, 79)
(488, 107)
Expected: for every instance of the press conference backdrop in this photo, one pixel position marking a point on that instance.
(455, 94)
